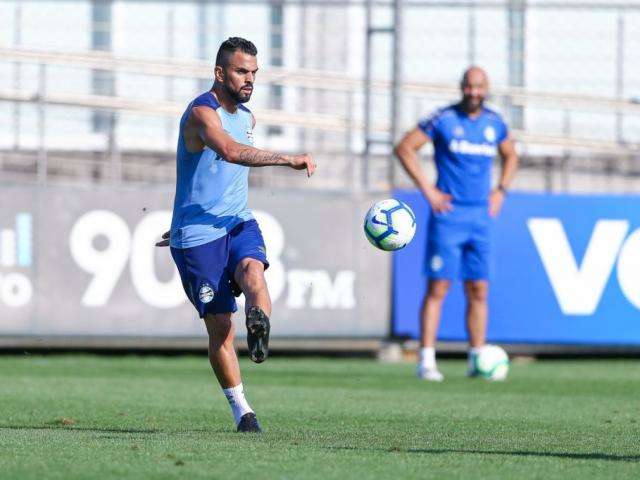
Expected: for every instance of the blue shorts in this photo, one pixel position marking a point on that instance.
(207, 271)
(459, 243)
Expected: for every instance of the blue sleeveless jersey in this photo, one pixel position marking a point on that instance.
(211, 193)
(464, 149)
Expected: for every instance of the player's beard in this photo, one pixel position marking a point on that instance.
(470, 105)
(238, 96)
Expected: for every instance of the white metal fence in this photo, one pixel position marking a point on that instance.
(90, 91)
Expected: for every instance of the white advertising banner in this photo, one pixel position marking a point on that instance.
(82, 262)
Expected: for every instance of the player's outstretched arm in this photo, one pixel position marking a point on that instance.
(209, 127)
(407, 152)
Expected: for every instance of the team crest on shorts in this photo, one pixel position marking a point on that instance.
(436, 263)
(206, 293)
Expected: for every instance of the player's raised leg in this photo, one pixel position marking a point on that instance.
(476, 292)
(223, 359)
(249, 275)
(431, 310)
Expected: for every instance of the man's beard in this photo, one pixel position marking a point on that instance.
(469, 104)
(238, 96)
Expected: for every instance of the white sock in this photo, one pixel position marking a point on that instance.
(239, 404)
(428, 358)
(471, 357)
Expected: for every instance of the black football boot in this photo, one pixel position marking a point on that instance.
(257, 334)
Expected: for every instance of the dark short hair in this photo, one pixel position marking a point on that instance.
(230, 45)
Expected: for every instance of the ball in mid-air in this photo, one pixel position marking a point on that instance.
(390, 224)
(492, 363)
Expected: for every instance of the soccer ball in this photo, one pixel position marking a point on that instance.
(390, 224)
(492, 363)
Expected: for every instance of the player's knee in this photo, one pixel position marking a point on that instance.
(437, 290)
(223, 336)
(252, 276)
(477, 292)
(221, 330)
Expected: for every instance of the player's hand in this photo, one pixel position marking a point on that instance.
(496, 199)
(302, 162)
(165, 240)
(439, 201)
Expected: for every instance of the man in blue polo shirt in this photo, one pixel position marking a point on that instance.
(466, 137)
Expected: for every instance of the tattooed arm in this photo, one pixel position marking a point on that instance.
(253, 157)
(204, 128)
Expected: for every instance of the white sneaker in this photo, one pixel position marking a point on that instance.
(429, 374)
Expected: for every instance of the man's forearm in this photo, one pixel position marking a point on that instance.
(234, 152)
(509, 168)
(253, 157)
(411, 165)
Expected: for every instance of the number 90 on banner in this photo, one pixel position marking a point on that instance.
(107, 265)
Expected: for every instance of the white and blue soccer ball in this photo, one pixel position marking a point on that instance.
(390, 224)
(492, 363)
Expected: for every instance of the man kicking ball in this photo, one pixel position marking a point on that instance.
(215, 241)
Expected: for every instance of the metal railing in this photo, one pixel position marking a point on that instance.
(323, 108)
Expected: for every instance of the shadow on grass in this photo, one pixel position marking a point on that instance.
(516, 453)
(149, 431)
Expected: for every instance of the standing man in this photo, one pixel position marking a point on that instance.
(215, 241)
(466, 137)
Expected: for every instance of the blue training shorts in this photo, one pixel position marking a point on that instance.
(207, 271)
(459, 243)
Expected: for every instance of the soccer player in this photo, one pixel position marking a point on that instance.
(466, 137)
(215, 241)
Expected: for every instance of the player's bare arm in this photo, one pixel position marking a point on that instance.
(407, 152)
(509, 158)
(205, 128)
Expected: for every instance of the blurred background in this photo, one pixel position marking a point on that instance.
(90, 97)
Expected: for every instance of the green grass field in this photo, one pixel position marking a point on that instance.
(147, 417)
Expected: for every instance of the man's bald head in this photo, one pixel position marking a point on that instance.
(474, 87)
(474, 74)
